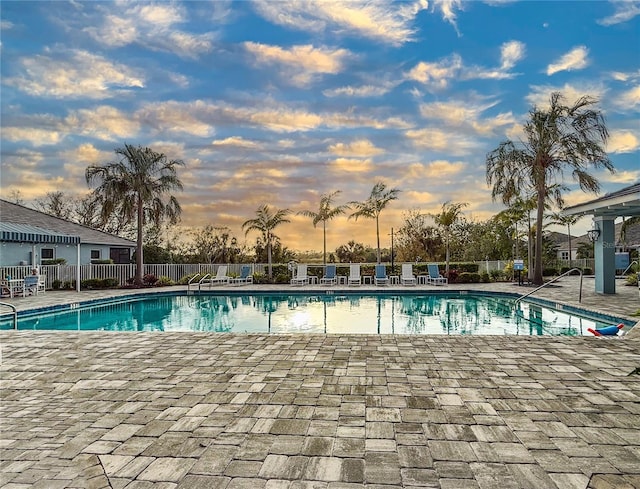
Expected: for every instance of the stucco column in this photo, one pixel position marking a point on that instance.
(605, 255)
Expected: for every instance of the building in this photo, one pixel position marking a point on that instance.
(33, 238)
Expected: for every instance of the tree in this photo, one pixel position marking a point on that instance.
(417, 239)
(450, 214)
(325, 213)
(565, 220)
(56, 204)
(137, 188)
(373, 206)
(351, 252)
(559, 140)
(265, 222)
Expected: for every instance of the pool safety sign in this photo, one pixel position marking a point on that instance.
(518, 264)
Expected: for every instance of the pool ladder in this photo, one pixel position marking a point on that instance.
(15, 313)
(550, 282)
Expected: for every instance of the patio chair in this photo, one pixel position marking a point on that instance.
(434, 276)
(31, 285)
(354, 275)
(380, 277)
(330, 277)
(301, 277)
(42, 284)
(245, 276)
(407, 277)
(220, 277)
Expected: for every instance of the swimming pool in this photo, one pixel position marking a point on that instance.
(450, 313)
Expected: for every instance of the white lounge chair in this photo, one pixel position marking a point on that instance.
(31, 284)
(301, 277)
(434, 276)
(380, 277)
(220, 278)
(244, 278)
(407, 277)
(330, 277)
(354, 275)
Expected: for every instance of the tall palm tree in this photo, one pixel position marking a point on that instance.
(562, 139)
(449, 215)
(137, 188)
(265, 222)
(325, 213)
(564, 220)
(373, 206)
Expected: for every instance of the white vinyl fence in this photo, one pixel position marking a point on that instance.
(67, 273)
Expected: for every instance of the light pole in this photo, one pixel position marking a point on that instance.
(391, 250)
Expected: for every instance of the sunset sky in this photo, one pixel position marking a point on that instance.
(279, 102)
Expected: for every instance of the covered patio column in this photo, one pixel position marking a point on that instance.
(605, 255)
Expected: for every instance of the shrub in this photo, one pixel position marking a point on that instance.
(587, 271)
(149, 279)
(69, 285)
(452, 276)
(55, 285)
(468, 278)
(260, 278)
(497, 275)
(100, 283)
(164, 281)
(184, 280)
(632, 279)
(552, 272)
(485, 278)
(108, 261)
(57, 261)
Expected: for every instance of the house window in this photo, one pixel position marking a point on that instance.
(46, 253)
(119, 255)
(95, 254)
(564, 255)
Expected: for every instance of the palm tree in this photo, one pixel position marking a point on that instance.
(265, 222)
(325, 213)
(137, 188)
(564, 220)
(563, 139)
(446, 218)
(373, 206)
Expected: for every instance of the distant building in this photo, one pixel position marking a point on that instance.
(30, 237)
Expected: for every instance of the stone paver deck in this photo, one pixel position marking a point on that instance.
(226, 411)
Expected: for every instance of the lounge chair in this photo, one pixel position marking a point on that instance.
(380, 277)
(301, 277)
(407, 277)
(354, 275)
(244, 278)
(434, 276)
(42, 284)
(220, 277)
(330, 277)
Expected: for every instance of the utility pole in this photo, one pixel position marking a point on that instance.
(392, 250)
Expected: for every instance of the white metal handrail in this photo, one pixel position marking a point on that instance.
(634, 262)
(550, 282)
(15, 313)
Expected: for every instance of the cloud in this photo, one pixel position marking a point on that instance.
(103, 122)
(152, 26)
(74, 74)
(540, 94)
(510, 53)
(301, 64)
(435, 169)
(237, 141)
(466, 114)
(351, 165)
(447, 9)
(361, 91)
(622, 177)
(373, 19)
(629, 99)
(437, 139)
(176, 117)
(436, 75)
(576, 59)
(358, 148)
(36, 137)
(622, 142)
(624, 11)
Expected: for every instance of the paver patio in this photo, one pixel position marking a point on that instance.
(201, 410)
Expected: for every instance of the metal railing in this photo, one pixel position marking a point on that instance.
(550, 282)
(15, 313)
(634, 262)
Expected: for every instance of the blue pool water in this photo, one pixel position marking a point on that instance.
(340, 313)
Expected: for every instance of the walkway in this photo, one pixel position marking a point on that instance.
(216, 411)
